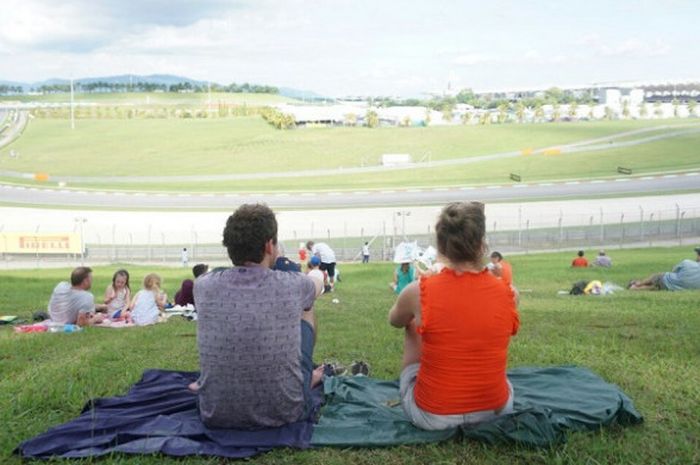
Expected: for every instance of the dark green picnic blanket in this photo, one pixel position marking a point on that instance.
(549, 403)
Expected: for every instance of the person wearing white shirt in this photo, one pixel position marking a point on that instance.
(327, 256)
(365, 253)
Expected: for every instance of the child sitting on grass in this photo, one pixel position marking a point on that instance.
(118, 296)
(149, 302)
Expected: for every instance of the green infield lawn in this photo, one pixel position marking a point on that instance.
(645, 342)
(153, 147)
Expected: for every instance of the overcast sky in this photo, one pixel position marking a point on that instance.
(354, 47)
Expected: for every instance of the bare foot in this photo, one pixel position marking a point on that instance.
(316, 376)
(194, 387)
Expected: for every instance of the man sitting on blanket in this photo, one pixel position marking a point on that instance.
(71, 303)
(256, 331)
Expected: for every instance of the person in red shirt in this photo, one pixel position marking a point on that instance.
(302, 252)
(501, 268)
(458, 324)
(580, 261)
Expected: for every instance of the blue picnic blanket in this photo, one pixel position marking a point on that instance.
(159, 415)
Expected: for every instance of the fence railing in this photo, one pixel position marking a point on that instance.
(644, 232)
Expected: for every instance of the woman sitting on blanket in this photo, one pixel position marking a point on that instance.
(148, 302)
(458, 323)
(118, 296)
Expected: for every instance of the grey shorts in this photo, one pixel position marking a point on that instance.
(432, 421)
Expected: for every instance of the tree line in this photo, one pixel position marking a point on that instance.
(142, 86)
(5, 89)
(552, 96)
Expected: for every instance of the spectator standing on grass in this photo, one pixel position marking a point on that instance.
(365, 253)
(602, 260)
(185, 296)
(458, 323)
(71, 303)
(149, 302)
(184, 257)
(327, 256)
(501, 268)
(118, 295)
(302, 252)
(580, 261)
(683, 276)
(256, 332)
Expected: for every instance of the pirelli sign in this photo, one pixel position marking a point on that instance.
(28, 243)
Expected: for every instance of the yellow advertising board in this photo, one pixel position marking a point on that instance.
(30, 243)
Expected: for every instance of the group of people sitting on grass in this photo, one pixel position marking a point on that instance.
(601, 260)
(73, 303)
(685, 275)
(256, 327)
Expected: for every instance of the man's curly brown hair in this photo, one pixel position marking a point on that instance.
(247, 231)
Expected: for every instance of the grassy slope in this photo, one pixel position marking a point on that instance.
(645, 342)
(246, 145)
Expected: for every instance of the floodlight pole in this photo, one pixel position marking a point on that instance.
(72, 106)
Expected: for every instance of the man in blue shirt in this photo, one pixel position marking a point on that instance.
(685, 275)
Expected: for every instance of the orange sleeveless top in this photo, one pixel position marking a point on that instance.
(466, 324)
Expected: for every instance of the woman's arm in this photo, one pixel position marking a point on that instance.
(109, 294)
(407, 307)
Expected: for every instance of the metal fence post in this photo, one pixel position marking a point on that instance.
(527, 235)
(345, 236)
(150, 248)
(622, 229)
(641, 224)
(561, 229)
(651, 222)
(114, 243)
(602, 228)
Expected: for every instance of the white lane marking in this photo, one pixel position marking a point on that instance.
(120, 194)
(360, 192)
(100, 193)
(520, 186)
(308, 194)
(387, 192)
(440, 189)
(493, 187)
(670, 175)
(467, 188)
(622, 180)
(413, 191)
(647, 178)
(335, 194)
(81, 192)
(282, 195)
(545, 184)
(207, 195)
(572, 183)
(597, 181)
(139, 194)
(161, 195)
(692, 174)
